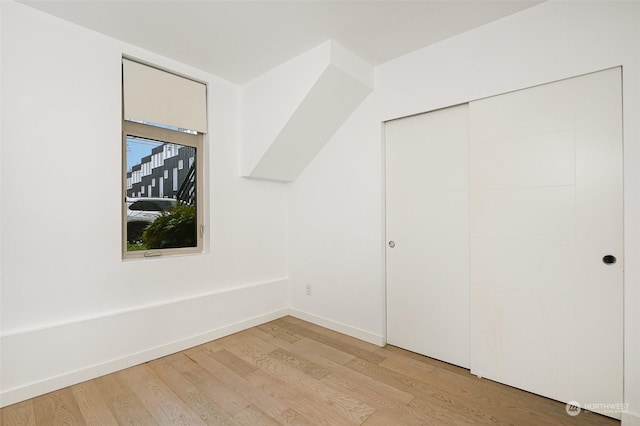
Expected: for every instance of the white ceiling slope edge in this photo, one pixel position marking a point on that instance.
(291, 112)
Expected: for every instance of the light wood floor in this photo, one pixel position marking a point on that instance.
(292, 372)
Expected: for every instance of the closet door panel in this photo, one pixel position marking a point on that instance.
(427, 204)
(523, 161)
(528, 213)
(546, 311)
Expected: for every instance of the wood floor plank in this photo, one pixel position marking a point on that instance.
(252, 416)
(455, 384)
(337, 341)
(156, 396)
(434, 404)
(336, 369)
(389, 349)
(383, 418)
(216, 345)
(272, 406)
(533, 408)
(435, 397)
(370, 347)
(292, 372)
(352, 409)
(311, 406)
(210, 412)
(279, 332)
(225, 397)
(291, 417)
(508, 403)
(232, 362)
(325, 351)
(58, 408)
(124, 405)
(195, 349)
(92, 405)
(301, 364)
(482, 395)
(20, 414)
(359, 386)
(403, 413)
(407, 366)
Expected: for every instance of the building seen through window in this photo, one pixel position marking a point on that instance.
(156, 183)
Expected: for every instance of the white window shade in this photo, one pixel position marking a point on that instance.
(160, 97)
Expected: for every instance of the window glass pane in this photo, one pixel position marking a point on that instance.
(164, 216)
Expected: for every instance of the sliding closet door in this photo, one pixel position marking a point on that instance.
(546, 246)
(428, 234)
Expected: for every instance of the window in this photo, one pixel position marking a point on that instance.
(175, 179)
(161, 221)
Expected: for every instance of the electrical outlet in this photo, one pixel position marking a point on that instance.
(308, 289)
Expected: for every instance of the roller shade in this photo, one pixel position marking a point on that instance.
(160, 97)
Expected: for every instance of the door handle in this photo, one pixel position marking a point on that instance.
(609, 259)
(392, 244)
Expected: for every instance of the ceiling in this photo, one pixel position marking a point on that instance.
(240, 40)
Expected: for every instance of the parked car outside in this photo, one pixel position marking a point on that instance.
(143, 211)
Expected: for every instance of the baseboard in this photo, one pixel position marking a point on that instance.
(630, 419)
(358, 333)
(226, 313)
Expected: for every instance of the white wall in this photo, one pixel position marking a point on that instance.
(71, 307)
(336, 206)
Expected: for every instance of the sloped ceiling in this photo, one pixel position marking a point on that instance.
(315, 93)
(241, 40)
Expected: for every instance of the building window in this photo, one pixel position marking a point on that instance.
(158, 223)
(175, 179)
